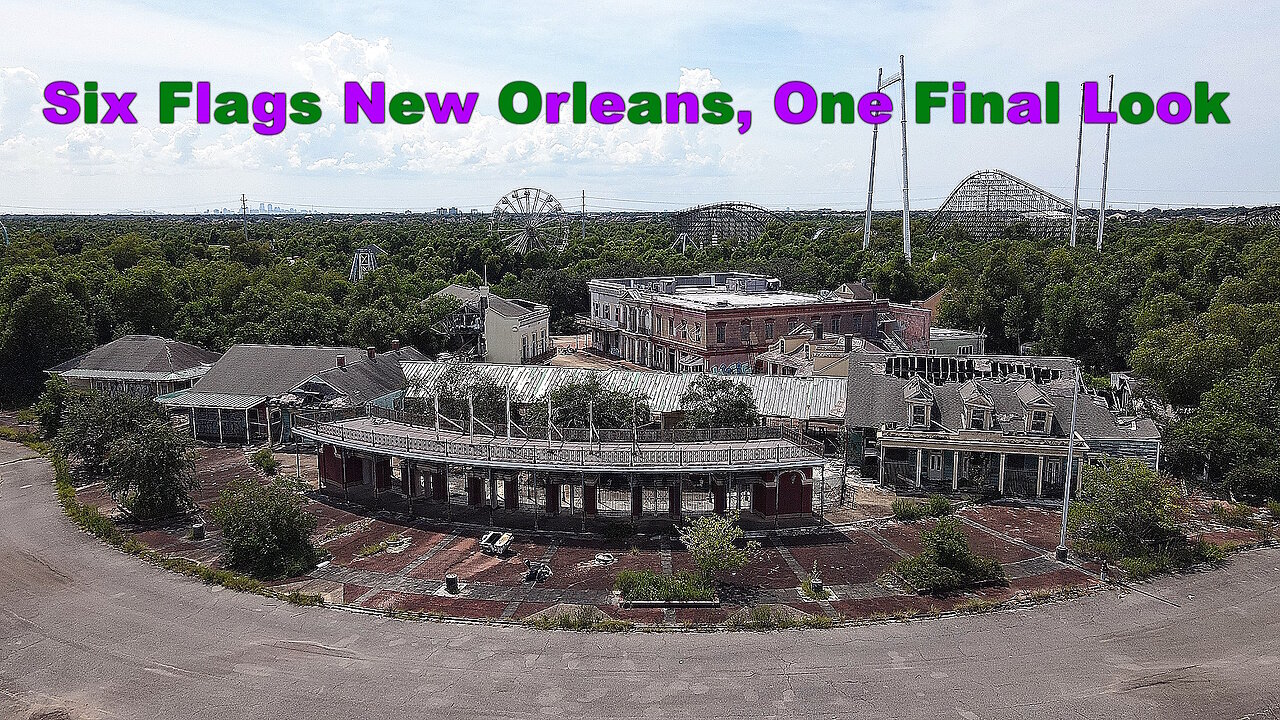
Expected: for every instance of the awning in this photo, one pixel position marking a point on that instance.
(224, 401)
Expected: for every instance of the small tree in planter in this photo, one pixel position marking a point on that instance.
(712, 543)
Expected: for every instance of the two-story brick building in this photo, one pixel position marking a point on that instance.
(720, 322)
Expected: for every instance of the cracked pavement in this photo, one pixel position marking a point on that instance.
(96, 633)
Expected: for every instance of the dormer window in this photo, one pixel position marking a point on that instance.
(1039, 421)
(919, 415)
(978, 421)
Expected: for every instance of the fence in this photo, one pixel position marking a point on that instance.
(530, 452)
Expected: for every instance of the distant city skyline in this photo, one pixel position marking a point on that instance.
(746, 49)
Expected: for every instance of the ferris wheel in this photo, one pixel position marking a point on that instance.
(530, 219)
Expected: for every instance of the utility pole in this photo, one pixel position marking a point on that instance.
(244, 216)
(871, 181)
(1061, 552)
(1075, 198)
(584, 216)
(906, 202)
(1106, 156)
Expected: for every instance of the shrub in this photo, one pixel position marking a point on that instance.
(1125, 510)
(648, 585)
(946, 563)
(1273, 509)
(266, 529)
(712, 543)
(266, 461)
(908, 510)
(1234, 515)
(938, 506)
(617, 530)
(151, 471)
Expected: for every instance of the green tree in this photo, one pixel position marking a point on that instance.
(574, 402)
(151, 470)
(462, 388)
(1232, 440)
(51, 405)
(713, 401)
(93, 422)
(41, 328)
(265, 528)
(713, 544)
(1125, 509)
(946, 563)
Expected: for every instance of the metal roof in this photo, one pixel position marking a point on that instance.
(225, 401)
(801, 398)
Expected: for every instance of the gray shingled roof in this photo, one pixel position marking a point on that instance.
(876, 399)
(270, 370)
(471, 296)
(369, 380)
(143, 357)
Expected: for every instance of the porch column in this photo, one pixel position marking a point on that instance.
(1039, 476)
(193, 423)
(589, 497)
(343, 452)
(220, 440)
(880, 469)
(637, 498)
(955, 470)
(247, 439)
(1000, 481)
(493, 489)
(675, 493)
(920, 460)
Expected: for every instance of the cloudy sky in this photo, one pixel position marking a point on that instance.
(746, 49)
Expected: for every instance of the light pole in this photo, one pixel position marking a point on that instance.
(1061, 552)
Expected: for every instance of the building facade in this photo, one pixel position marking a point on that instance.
(496, 329)
(721, 322)
(138, 365)
(994, 426)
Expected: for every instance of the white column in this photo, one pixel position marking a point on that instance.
(220, 440)
(1000, 485)
(1039, 476)
(919, 461)
(955, 470)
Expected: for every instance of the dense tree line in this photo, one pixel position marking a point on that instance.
(1192, 306)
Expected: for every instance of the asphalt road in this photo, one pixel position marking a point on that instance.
(90, 631)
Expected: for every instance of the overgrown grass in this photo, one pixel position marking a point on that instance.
(616, 530)
(375, 548)
(908, 510)
(946, 564)
(772, 617)
(91, 520)
(806, 587)
(978, 605)
(585, 618)
(648, 585)
(1174, 557)
(1233, 514)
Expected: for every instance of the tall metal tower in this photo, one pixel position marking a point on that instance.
(881, 84)
(244, 216)
(1075, 198)
(4, 231)
(1106, 157)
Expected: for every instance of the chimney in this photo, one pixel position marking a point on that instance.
(371, 351)
(817, 330)
(395, 345)
(342, 361)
